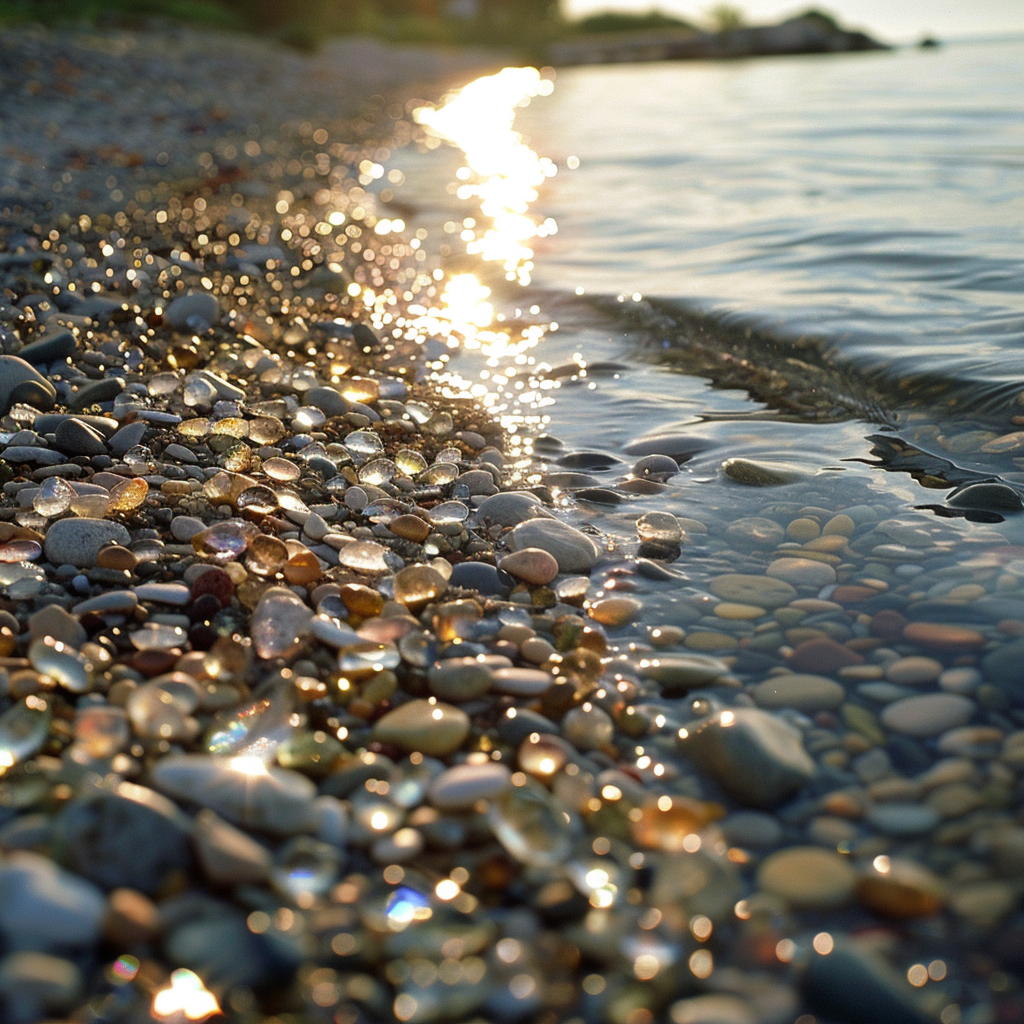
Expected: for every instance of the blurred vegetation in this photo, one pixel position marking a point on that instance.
(526, 26)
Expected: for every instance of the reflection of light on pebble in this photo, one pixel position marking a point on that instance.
(405, 906)
(881, 864)
(379, 820)
(125, 968)
(248, 766)
(727, 718)
(186, 996)
(823, 943)
(405, 1007)
(522, 986)
(917, 975)
(937, 970)
(447, 889)
(702, 963)
(701, 927)
(508, 950)
(785, 950)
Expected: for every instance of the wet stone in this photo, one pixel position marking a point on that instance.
(197, 311)
(436, 729)
(756, 757)
(929, 714)
(762, 591)
(511, 508)
(78, 541)
(802, 572)
(460, 679)
(572, 550)
(279, 622)
(808, 878)
(803, 692)
(133, 837)
(532, 565)
(460, 788)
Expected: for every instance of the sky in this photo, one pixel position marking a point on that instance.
(890, 20)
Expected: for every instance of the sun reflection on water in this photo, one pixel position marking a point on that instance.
(501, 170)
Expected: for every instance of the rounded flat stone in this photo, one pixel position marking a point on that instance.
(902, 820)
(573, 550)
(942, 635)
(459, 788)
(929, 714)
(802, 691)
(532, 565)
(808, 878)
(511, 508)
(802, 572)
(913, 671)
(762, 591)
(77, 541)
(522, 682)
(435, 729)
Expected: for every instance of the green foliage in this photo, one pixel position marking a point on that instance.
(122, 12)
(623, 21)
(725, 17)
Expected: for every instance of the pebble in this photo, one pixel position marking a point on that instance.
(929, 714)
(461, 679)
(77, 541)
(521, 682)
(433, 728)
(532, 565)
(901, 820)
(803, 692)
(572, 550)
(22, 382)
(459, 788)
(913, 671)
(754, 756)
(510, 508)
(802, 572)
(808, 878)
(943, 636)
(760, 591)
(40, 980)
(197, 311)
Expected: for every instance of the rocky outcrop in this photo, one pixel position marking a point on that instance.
(794, 36)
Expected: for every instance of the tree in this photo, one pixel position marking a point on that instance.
(725, 17)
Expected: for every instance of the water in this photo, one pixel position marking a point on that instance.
(833, 241)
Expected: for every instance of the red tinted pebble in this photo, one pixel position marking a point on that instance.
(215, 582)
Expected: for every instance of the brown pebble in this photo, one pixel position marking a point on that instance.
(901, 888)
(302, 569)
(616, 611)
(361, 600)
(531, 565)
(942, 635)
(888, 624)
(822, 655)
(132, 919)
(116, 557)
(154, 663)
(850, 593)
(410, 527)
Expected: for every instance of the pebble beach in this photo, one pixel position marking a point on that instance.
(320, 703)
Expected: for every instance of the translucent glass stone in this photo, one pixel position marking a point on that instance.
(54, 497)
(665, 822)
(601, 880)
(255, 729)
(226, 486)
(419, 412)
(364, 556)
(139, 459)
(101, 732)
(448, 455)
(449, 512)
(266, 430)
(155, 636)
(439, 474)
(377, 472)
(62, 663)
(360, 389)
(659, 526)
(163, 384)
(303, 569)
(20, 551)
(291, 502)
(23, 730)
(306, 868)
(418, 585)
(128, 495)
(316, 450)
(223, 542)
(198, 427)
(30, 518)
(417, 648)
(367, 658)
(409, 463)
(384, 510)
(440, 424)
(281, 470)
(232, 426)
(198, 391)
(363, 444)
(159, 712)
(279, 623)
(308, 418)
(238, 458)
(266, 555)
(90, 506)
(22, 413)
(261, 500)
(527, 823)
(542, 756)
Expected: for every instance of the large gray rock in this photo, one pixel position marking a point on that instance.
(22, 382)
(77, 541)
(197, 311)
(43, 906)
(757, 758)
(511, 508)
(573, 550)
(133, 837)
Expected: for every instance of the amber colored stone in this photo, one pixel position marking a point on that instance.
(128, 495)
(410, 527)
(823, 655)
(132, 918)
(901, 889)
(850, 593)
(8, 642)
(302, 569)
(215, 582)
(887, 624)
(361, 708)
(942, 635)
(116, 557)
(154, 663)
(361, 600)
(664, 822)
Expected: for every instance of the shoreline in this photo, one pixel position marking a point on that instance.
(336, 714)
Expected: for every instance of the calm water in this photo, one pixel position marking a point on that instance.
(849, 228)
